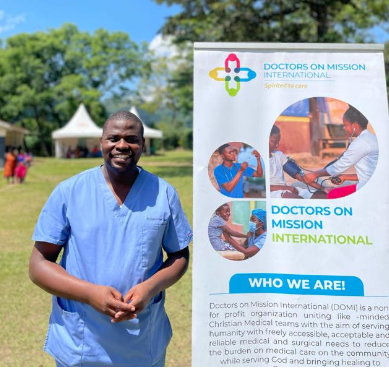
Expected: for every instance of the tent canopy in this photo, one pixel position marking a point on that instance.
(81, 130)
(80, 125)
(149, 132)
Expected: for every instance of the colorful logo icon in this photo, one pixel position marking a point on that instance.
(232, 74)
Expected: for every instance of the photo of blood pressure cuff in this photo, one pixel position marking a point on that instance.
(237, 230)
(320, 148)
(237, 171)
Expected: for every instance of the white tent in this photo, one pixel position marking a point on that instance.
(148, 132)
(81, 130)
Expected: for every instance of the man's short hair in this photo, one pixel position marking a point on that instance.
(275, 130)
(355, 116)
(124, 115)
(222, 148)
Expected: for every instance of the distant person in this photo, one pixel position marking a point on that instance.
(81, 153)
(362, 154)
(21, 156)
(229, 174)
(69, 153)
(95, 151)
(28, 159)
(217, 227)
(21, 172)
(21, 167)
(10, 165)
(113, 223)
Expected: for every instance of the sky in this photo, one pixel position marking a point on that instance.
(141, 19)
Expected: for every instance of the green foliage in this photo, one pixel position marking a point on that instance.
(44, 76)
(267, 21)
(386, 57)
(166, 95)
(275, 21)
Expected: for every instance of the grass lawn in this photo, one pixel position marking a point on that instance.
(24, 308)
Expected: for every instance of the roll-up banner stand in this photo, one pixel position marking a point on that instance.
(291, 205)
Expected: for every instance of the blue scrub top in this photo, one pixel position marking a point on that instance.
(257, 242)
(224, 174)
(116, 246)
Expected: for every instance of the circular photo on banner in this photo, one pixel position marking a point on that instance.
(237, 230)
(237, 170)
(321, 148)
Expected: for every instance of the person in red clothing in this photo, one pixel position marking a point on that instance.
(10, 165)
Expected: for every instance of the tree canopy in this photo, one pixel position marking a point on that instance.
(276, 20)
(268, 21)
(44, 76)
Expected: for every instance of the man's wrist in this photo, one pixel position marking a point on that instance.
(152, 288)
(88, 296)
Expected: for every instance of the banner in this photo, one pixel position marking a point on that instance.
(290, 264)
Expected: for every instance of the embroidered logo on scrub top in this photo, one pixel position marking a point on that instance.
(157, 220)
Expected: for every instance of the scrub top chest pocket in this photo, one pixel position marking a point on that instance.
(152, 236)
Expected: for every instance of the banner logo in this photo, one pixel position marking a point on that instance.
(232, 74)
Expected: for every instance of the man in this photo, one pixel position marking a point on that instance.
(111, 222)
(362, 153)
(256, 236)
(229, 175)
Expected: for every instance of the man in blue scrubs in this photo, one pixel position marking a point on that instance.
(112, 223)
(229, 174)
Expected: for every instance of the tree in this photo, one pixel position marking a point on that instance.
(276, 20)
(166, 96)
(270, 21)
(44, 76)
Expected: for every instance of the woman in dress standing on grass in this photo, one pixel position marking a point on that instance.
(10, 165)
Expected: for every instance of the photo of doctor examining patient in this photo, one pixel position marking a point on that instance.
(321, 148)
(237, 230)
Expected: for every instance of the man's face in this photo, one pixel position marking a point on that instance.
(122, 144)
(229, 154)
(348, 127)
(274, 141)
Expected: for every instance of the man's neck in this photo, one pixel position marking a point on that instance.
(258, 232)
(120, 182)
(359, 132)
(122, 179)
(228, 164)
